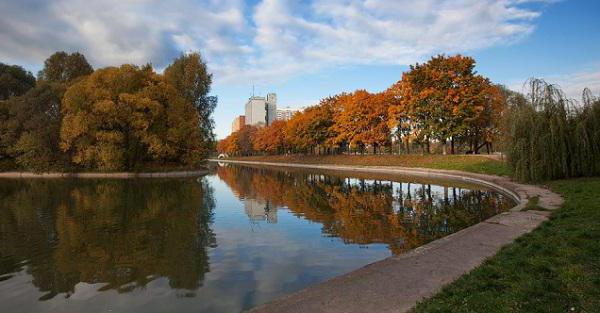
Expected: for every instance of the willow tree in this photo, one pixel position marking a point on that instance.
(550, 136)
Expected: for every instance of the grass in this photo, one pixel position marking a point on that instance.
(555, 268)
(468, 163)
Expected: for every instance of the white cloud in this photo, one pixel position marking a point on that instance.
(272, 40)
(118, 31)
(572, 84)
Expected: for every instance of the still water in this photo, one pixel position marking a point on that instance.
(238, 237)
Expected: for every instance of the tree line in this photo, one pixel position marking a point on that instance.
(442, 102)
(73, 117)
(444, 106)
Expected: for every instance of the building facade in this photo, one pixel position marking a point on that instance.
(238, 123)
(260, 211)
(286, 114)
(261, 111)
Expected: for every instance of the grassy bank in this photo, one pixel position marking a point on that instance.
(468, 163)
(555, 268)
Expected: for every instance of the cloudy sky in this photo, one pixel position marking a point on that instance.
(307, 50)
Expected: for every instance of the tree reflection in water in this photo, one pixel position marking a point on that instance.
(120, 233)
(361, 211)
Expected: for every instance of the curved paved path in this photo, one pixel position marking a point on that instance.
(397, 283)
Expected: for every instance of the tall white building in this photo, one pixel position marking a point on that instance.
(261, 110)
(286, 113)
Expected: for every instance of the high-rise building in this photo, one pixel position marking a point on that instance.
(271, 107)
(261, 110)
(286, 114)
(238, 123)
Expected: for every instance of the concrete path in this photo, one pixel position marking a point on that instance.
(397, 283)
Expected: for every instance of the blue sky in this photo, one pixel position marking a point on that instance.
(307, 50)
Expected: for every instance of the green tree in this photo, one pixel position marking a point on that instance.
(64, 67)
(14, 81)
(190, 76)
(549, 137)
(29, 134)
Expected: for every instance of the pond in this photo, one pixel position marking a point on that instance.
(236, 238)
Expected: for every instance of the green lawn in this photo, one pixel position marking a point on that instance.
(555, 268)
(468, 163)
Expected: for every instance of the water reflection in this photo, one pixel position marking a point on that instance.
(360, 210)
(122, 234)
(237, 238)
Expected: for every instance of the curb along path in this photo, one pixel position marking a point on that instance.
(397, 283)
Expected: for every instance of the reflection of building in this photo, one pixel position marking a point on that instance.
(238, 123)
(261, 110)
(260, 211)
(286, 114)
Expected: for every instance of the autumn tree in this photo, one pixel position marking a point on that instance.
(310, 130)
(362, 120)
(446, 99)
(64, 67)
(190, 77)
(14, 81)
(271, 139)
(30, 133)
(245, 140)
(117, 118)
(228, 144)
(400, 120)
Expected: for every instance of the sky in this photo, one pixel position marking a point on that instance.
(305, 50)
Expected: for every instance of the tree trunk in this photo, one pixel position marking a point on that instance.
(452, 146)
(444, 147)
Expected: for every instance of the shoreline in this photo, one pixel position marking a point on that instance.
(397, 283)
(119, 175)
(498, 183)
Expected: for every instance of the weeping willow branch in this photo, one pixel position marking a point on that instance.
(550, 136)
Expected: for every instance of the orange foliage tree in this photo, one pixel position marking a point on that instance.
(271, 139)
(446, 100)
(362, 120)
(443, 100)
(311, 130)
